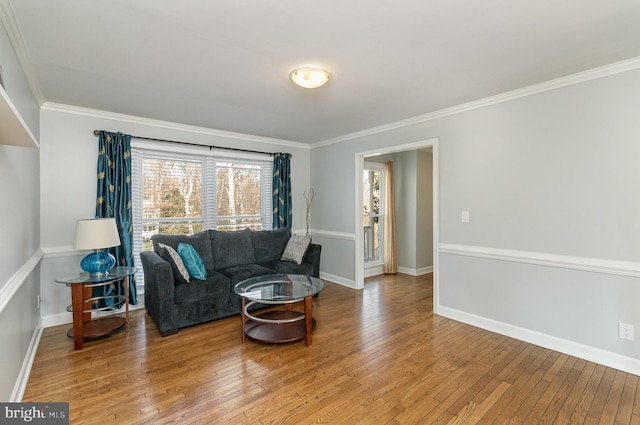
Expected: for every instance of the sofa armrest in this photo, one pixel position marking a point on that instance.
(159, 290)
(313, 257)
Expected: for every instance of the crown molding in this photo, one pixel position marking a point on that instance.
(168, 125)
(8, 19)
(580, 77)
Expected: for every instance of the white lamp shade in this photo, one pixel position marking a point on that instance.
(96, 233)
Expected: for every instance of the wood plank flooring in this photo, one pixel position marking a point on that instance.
(379, 356)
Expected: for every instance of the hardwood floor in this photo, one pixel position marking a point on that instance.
(379, 356)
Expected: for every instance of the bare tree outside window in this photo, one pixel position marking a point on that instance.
(172, 197)
(238, 196)
(372, 214)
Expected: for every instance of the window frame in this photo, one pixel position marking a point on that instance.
(208, 159)
(379, 167)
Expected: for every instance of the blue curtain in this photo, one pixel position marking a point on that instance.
(114, 199)
(282, 205)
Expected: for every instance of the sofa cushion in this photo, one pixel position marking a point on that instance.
(192, 261)
(231, 248)
(244, 271)
(180, 272)
(216, 285)
(268, 245)
(289, 267)
(200, 241)
(296, 248)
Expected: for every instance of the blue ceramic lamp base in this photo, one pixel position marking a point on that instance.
(99, 262)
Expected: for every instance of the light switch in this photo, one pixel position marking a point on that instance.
(464, 216)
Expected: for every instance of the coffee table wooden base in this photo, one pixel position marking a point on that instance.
(278, 332)
(279, 326)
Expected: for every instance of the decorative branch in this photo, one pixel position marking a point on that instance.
(308, 195)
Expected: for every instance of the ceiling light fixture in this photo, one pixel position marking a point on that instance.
(310, 77)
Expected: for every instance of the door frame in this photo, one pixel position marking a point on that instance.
(359, 233)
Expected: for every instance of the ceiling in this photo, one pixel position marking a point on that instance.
(224, 64)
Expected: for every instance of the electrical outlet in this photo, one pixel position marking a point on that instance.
(38, 302)
(464, 216)
(626, 331)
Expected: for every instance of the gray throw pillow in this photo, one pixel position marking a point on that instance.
(296, 249)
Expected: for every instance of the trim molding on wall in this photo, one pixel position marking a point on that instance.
(6, 294)
(334, 235)
(339, 280)
(569, 80)
(595, 265)
(27, 364)
(415, 272)
(8, 18)
(15, 282)
(62, 251)
(114, 116)
(606, 358)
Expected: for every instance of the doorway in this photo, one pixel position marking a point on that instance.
(373, 210)
(360, 220)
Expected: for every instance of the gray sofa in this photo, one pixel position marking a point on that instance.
(229, 257)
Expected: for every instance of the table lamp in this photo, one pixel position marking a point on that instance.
(97, 234)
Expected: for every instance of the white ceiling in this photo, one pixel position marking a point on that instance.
(224, 64)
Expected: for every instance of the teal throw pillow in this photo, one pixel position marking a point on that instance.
(192, 261)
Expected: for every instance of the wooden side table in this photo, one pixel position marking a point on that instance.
(81, 298)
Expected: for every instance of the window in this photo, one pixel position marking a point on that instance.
(187, 192)
(373, 211)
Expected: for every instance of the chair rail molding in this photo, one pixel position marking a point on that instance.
(333, 235)
(587, 264)
(8, 290)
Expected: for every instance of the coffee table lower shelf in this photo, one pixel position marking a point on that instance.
(277, 332)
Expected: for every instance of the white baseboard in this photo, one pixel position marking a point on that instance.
(27, 363)
(606, 358)
(339, 280)
(373, 271)
(416, 272)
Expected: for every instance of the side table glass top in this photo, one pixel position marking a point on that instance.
(279, 287)
(84, 277)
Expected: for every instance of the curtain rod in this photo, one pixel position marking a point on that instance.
(97, 133)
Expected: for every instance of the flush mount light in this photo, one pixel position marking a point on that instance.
(310, 77)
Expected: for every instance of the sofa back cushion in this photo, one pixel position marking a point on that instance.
(231, 248)
(268, 245)
(200, 241)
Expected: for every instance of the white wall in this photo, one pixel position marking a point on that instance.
(19, 227)
(68, 182)
(550, 182)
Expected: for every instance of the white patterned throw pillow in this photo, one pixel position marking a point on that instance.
(177, 262)
(296, 248)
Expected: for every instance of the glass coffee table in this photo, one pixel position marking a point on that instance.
(282, 325)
